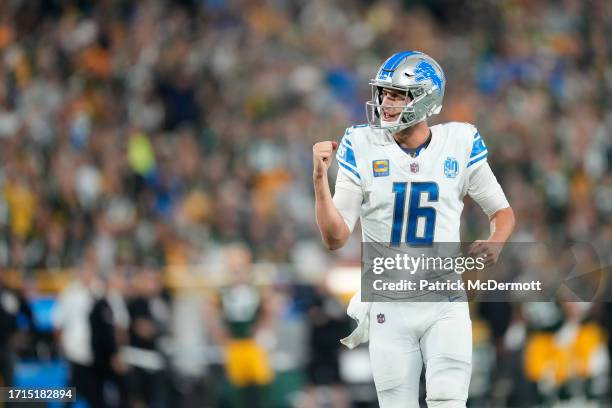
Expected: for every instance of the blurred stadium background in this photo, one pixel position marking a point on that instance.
(157, 237)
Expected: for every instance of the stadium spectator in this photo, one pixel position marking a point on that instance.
(245, 321)
(15, 318)
(149, 311)
(71, 320)
(108, 365)
(328, 322)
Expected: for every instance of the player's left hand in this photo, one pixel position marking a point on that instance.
(487, 249)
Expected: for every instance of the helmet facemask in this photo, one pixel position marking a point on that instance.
(407, 117)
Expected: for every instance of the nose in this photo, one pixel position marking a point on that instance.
(386, 101)
(388, 106)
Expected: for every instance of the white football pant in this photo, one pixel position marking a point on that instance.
(404, 336)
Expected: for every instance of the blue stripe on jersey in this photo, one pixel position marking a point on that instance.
(355, 172)
(346, 153)
(478, 147)
(476, 160)
(348, 132)
(350, 157)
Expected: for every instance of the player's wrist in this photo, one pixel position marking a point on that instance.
(319, 175)
(497, 240)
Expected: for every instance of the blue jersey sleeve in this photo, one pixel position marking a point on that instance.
(346, 157)
(478, 152)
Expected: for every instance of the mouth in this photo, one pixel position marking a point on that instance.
(387, 117)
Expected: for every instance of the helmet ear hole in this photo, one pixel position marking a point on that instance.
(416, 92)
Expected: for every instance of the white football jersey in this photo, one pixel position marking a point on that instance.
(412, 200)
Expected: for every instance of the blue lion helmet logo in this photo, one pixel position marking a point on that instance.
(424, 70)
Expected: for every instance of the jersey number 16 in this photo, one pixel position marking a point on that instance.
(415, 211)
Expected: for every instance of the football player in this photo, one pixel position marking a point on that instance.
(406, 181)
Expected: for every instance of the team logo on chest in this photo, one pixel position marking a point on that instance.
(380, 168)
(451, 167)
(380, 318)
(414, 167)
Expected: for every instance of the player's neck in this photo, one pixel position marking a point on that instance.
(414, 136)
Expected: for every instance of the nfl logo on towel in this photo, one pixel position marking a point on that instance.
(380, 168)
(380, 318)
(451, 167)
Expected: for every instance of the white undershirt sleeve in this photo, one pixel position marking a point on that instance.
(485, 190)
(348, 197)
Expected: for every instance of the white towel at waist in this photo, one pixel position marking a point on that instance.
(360, 311)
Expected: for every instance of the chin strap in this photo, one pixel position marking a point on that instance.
(399, 127)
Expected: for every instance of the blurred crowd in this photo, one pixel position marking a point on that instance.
(141, 137)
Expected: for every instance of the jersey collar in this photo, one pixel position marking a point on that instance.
(415, 152)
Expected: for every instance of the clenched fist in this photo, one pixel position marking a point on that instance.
(322, 155)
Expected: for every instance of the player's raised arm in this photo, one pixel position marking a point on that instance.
(334, 229)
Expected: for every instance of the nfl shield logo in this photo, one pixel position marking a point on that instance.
(381, 318)
(414, 167)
